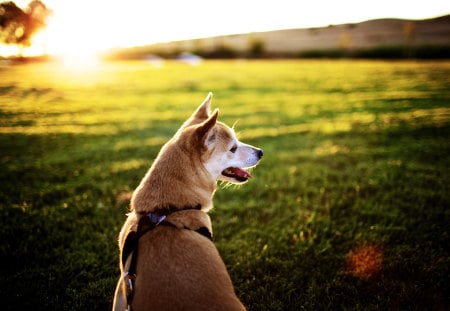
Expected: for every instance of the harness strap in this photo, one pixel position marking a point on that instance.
(146, 223)
(205, 232)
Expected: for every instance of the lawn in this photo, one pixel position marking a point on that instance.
(348, 210)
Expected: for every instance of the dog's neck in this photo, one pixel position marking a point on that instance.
(175, 186)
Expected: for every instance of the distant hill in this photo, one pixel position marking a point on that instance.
(382, 37)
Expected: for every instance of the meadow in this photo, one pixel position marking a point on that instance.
(348, 210)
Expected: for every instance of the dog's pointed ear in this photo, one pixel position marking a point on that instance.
(201, 113)
(204, 109)
(205, 132)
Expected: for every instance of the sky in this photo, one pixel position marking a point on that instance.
(88, 25)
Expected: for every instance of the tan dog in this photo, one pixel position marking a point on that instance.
(169, 261)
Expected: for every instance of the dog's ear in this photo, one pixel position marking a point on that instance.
(204, 109)
(205, 132)
(201, 113)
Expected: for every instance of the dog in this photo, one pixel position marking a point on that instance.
(168, 258)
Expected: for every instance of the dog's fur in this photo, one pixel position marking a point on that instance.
(178, 268)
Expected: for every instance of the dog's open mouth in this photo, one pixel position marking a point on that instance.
(236, 173)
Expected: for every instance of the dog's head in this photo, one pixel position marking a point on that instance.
(222, 154)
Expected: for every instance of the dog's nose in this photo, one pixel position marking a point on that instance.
(260, 153)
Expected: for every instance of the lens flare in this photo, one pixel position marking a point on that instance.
(365, 261)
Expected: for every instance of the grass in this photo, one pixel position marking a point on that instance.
(349, 208)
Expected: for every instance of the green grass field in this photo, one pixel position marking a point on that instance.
(348, 210)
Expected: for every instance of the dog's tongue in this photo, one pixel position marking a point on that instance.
(239, 172)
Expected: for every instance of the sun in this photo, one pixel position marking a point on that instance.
(79, 31)
(72, 43)
(74, 36)
(76, 32)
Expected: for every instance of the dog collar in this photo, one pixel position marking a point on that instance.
(155, 219)
(146, 223)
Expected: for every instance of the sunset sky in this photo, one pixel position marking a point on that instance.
(88, 25)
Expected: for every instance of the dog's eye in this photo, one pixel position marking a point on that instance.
(233, 149)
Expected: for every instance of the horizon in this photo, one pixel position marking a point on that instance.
(76, 32)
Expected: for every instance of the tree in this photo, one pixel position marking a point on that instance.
(18, 26)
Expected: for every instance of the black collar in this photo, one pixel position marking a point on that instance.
(149, 222)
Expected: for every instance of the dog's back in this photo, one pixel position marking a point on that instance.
(181, 270)
(177, 268)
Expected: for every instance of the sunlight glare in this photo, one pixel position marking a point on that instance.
(75, 43)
